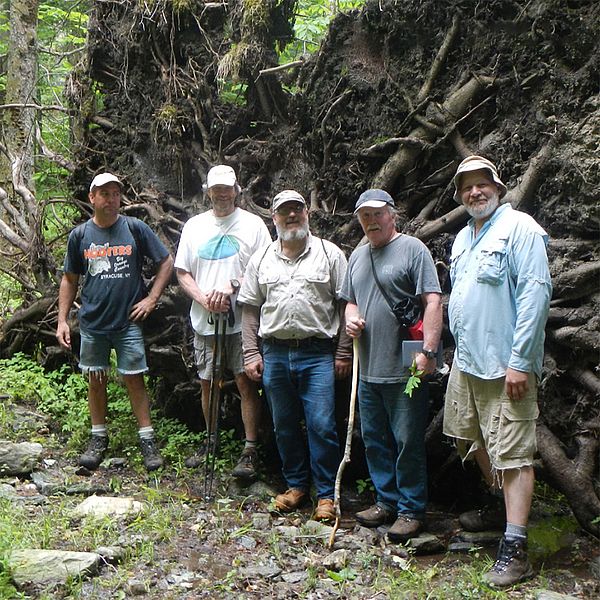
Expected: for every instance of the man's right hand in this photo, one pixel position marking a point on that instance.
(217, 301)
(63, 335)
(254, 370)
(354, 325)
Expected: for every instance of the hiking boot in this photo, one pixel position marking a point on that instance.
(246, 466)
(152, 458)
(197, 459)
(404, 528)
(325, 510)
(375, 515)
(94, 453)
(511, 564)
(484, 519)
(290, 500)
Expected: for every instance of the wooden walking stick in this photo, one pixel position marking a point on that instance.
(346, 457)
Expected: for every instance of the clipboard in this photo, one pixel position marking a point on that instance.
(410, 348)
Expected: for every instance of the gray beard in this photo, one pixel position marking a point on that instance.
(292, 236)
(487, 210)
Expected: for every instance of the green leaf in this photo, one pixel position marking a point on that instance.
(414, 381)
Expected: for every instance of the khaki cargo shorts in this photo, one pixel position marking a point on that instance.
(479, 414)
(203, 351)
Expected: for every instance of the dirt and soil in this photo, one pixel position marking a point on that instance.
(233, 545)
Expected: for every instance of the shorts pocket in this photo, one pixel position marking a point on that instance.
(516, 433)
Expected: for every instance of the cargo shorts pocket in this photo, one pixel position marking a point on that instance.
(516, 430)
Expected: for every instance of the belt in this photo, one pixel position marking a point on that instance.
(298, 343)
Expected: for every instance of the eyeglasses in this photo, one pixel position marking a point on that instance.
(289, 207)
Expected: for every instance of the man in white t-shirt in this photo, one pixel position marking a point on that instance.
(213, 252)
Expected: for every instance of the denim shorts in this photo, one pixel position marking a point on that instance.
(479, 414)
(203, 350)
(128, 344)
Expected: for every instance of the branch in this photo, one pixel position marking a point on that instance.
(290, 65)
(382, 147)
(446, 222)
(5, 231)
(440, 58)
(523, 191)
(53, 156)
(38, 107)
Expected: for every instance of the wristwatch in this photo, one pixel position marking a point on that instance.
(235, 284)
(429, 353)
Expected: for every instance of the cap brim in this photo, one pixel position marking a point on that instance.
(372, 204)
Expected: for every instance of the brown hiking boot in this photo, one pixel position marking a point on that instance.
(403, 529)
(94, 453)
(246, 466)
(325, 510)
(491, 517)
(375, 515)
(290, 500)
(511, 566)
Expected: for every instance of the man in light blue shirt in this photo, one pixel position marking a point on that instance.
(498, 308)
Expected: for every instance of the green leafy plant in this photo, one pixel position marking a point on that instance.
(414, 381)
(364, 485)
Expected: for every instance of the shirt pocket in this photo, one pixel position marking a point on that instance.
(272, 287)
(492, 263)
(318, 284)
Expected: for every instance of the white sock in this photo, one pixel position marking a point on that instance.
(146, 433)
(99, 430)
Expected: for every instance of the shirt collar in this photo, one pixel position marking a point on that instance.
(497, 213)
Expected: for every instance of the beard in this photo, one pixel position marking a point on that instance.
(291, 236)
(480, 213)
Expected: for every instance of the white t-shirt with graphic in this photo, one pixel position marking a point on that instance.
(215, 250)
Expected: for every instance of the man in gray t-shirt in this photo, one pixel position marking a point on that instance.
(392, 423)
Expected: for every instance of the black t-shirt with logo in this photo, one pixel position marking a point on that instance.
(110, 262)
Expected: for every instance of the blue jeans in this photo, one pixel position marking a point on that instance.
(94, 351)
(299, 384)
(393, 431)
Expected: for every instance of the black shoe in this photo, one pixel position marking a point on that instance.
(94, 453)
(197, 459)
(246, 466)
(511, 566)
(485, 519)
(152, 458)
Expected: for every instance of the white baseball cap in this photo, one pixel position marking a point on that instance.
(104, 178)
(475, 163)
(287, 196)
(221, 175)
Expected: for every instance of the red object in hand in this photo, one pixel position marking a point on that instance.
(416, 331)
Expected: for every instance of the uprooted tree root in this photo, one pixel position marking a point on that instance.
(397, 95)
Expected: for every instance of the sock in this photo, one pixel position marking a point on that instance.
(99, 430)
(250, 445)
(515, 533)
(146, 433)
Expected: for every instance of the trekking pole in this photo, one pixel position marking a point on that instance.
(347, 448)
(214, 401)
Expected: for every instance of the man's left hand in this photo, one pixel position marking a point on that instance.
(142, 309)
(515, 384)
(343, 368)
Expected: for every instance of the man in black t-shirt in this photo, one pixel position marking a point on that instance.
(107, 252)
